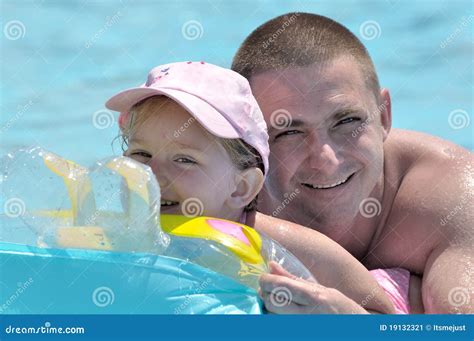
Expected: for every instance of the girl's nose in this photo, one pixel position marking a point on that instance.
(160, 171)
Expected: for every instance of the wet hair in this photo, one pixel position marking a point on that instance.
(298, 40)
(242, 155)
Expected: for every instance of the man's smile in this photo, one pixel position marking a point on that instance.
(329, 185)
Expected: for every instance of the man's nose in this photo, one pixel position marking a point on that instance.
(322, 154)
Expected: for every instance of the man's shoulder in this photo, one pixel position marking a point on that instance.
(411, 155)
(408, 145)
(429, 182)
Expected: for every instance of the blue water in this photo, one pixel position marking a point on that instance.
(67, 57)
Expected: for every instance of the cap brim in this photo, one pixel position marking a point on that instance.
(210, 118)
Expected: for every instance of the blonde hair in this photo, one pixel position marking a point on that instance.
(242, 155)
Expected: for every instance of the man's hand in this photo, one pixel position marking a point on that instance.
(284, 293)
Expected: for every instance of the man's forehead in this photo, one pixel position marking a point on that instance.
(339, 76)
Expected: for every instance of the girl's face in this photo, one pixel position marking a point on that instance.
(195, 173)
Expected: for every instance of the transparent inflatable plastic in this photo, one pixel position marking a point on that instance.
(55, 203)
(114, 207)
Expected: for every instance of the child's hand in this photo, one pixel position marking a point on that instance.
(284, 293)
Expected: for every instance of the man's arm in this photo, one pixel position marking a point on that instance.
(448, 282)
(331, 265)
(444, 195)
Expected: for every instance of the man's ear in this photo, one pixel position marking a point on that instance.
(248, 184)
(385, 109)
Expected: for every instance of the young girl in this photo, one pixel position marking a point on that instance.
(201, 131)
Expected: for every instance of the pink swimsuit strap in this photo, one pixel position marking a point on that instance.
(395, 282)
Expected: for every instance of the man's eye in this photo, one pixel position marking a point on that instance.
(184, 160)
(347, 120)
(287, 133)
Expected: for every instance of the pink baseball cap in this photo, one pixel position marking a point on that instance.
(218, 98)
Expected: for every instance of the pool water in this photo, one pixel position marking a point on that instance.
(60, 60)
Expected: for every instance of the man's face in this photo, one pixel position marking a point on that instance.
(326, 143)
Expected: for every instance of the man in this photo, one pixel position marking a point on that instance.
(392, 198)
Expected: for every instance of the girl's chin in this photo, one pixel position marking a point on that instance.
(172, 209)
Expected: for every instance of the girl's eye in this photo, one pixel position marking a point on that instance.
(347, 120)
(287, 133)
(142, 154)
(142, 157)
(184, 160)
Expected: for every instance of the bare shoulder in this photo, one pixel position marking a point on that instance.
(431, 182)
(407, 144)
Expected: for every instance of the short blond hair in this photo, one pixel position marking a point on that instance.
(242, 155)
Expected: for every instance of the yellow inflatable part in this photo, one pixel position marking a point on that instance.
(64, 168)
(201, 227)
(136, 178)
(83, 237)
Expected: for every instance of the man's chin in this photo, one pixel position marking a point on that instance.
(327, 220)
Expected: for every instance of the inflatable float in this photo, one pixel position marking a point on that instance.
(76, 240)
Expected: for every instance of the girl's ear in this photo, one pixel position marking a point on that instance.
(248, 184)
